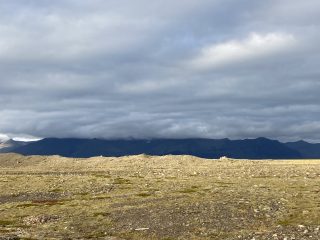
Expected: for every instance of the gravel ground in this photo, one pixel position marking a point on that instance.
(168, 197)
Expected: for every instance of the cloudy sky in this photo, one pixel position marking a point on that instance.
(160, 68)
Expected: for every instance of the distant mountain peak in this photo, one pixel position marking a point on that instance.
(9, 145)
(9, 141)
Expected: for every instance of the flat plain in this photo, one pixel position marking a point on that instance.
(164, 197)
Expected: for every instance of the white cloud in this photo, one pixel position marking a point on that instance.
(19, 137)
(26, 139)
(254, 46)
(3, 137)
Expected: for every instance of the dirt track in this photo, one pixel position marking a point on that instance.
(171, 197)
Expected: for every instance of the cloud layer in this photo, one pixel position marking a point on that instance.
(144, 69)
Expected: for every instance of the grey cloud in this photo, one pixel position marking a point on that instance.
(117, 69)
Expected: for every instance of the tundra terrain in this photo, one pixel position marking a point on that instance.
(167, 197)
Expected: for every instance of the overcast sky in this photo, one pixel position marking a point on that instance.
(160, 68)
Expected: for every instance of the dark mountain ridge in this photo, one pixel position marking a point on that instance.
(259, 148)
(307, 150)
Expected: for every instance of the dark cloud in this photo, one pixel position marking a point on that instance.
(142, 69)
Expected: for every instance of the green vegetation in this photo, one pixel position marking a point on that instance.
(188, 190)
(144, 194)
(4, 223)
(120, 180)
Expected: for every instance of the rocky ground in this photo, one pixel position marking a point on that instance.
(170, 197)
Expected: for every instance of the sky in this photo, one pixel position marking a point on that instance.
(160, 69)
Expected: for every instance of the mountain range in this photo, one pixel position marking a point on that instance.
(259, 148)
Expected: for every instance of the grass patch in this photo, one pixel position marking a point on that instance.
(100, 197)
(285, 222)
(263, 176)
(101, 175)
(36, 203)
(225, 183)
(103, 214)
(47, 202)
(188, 190)
(144, 194)
(171, 177)
(56, 190)
(24, 205)
(137, 176)
(96, 235)
(82, 196)
(120, 180)
(4, 223)
(292, 219)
